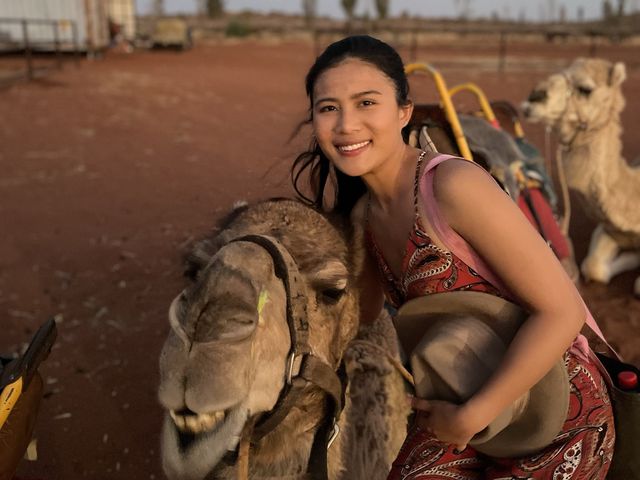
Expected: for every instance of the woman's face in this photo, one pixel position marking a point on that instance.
(356, 118)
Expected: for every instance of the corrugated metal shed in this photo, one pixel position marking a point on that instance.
(90, 17)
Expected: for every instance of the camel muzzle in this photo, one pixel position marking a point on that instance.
(537, 96)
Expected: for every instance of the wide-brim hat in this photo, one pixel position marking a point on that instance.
(455, 341)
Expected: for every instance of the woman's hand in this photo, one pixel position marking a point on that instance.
(449, 423)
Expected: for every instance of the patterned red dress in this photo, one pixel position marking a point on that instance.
(584, 447)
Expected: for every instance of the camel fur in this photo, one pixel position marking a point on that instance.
(582, 105)
(224, 361)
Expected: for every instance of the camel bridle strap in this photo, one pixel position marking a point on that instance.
(582, 125)
(302, 366)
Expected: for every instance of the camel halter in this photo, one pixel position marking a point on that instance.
(303, 368)
(582, 124)
(564, 147)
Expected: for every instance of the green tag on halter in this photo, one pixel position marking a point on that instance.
(262, 300)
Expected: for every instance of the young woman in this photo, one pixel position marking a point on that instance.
(359, 105)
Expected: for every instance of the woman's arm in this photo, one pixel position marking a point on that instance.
(479, 211)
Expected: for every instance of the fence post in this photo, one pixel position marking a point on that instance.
(592, 45)
(27, 49)
(316, 41)
(414, 45)
(503, 51)
(76, 45)
(56, 42)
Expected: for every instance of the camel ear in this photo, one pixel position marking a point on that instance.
(197, 258)
(617, 74)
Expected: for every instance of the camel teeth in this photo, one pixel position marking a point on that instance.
(179, 420)
(207, 422)
(193, 424)
(197, 423)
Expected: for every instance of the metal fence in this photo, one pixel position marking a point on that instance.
(60, 43)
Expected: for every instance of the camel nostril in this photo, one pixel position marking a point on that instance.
(537, 96)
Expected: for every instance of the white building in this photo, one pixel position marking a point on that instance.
(64, 21)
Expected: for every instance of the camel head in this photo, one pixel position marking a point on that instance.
(225, 360)
(584, 97)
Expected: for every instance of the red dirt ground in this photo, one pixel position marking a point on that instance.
(109, 170)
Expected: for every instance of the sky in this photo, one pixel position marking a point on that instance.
(533, 10)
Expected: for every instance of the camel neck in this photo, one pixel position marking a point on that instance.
(583, 156)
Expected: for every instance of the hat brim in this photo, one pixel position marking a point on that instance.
(546, 411)
(419, 314)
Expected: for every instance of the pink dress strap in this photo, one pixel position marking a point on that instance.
(452, 241)
(459, 247)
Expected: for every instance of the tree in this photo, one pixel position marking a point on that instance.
(158, 7)
(607, 10)
(309, 7)
(551, 8)
(522, 15)
(464, 9)
(562, 17)
(215, 8)
(349, 6)
(621, 5)
(382, 6)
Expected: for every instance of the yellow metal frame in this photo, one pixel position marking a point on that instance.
(487, 110)
(482, 100)
(20, 371)
(8, 398)
(517, 128)
(447, 104)
(486, 107)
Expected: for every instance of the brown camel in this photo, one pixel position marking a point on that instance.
(226, 363)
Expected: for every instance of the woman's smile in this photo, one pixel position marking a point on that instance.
(353, 149)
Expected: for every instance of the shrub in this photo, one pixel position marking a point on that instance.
(236, 28)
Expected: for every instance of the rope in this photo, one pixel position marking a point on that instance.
(394, 361)
(243, 452)
(564, 187)
(562, 179)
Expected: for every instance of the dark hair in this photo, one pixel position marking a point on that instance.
(347, 189)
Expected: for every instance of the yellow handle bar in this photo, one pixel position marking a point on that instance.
(447, 104)
(482, 100)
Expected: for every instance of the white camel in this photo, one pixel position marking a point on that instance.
(582, 105)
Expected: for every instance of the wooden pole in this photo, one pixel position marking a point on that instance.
(27, 49)
(502, 51)
(592, 45)
(56, 42)
(414, 45)
(76, 43)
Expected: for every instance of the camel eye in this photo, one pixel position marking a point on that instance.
(584, 91)
(330, 282)
(331, 295)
